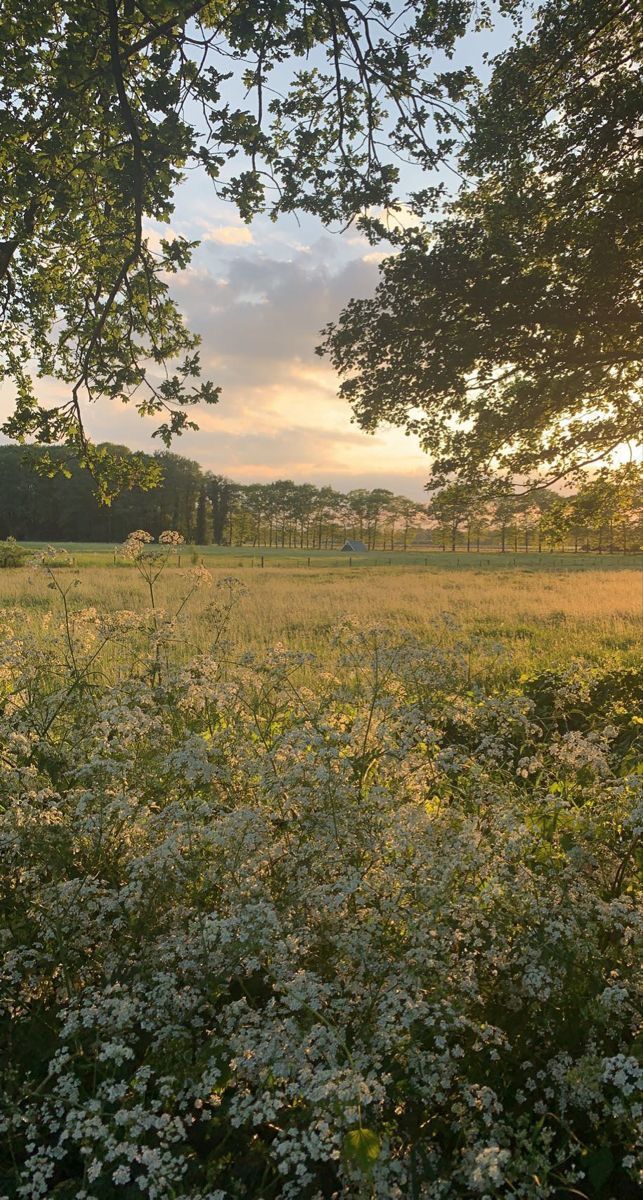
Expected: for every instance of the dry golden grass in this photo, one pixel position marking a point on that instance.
(542, 616)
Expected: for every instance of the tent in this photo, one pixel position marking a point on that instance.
(354, 547)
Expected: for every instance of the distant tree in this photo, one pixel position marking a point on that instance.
(328, 508)
(253, 513)
(356, 513)
(57, 502)
(411, 512)
(628, 508)
(556, 522)
(176, 498)
(201, 529)
(19, 496)
(304, 506)
(221, 493)
(391, 520)
(450, 507)
(527, 519)
(477, 519)
(609, 503)
(503, 515)
(378, 505)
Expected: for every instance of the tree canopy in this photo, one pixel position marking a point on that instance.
(508, 335)
(287, 105)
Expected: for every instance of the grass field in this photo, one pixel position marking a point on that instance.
(535, 610)
(103, 554)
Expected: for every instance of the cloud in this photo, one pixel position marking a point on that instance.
(259, 316)
(271, 312)
(155, 233)
(229, 235)
(399, 217)
(376, 256)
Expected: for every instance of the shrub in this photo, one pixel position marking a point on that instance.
(12, 554)
(372, 940)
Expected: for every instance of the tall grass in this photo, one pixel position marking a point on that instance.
(536, 618)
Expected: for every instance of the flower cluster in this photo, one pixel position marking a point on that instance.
(170, 537)
(135, 544)
(372, 938)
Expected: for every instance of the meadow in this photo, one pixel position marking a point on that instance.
(320, 882)
(537, 610)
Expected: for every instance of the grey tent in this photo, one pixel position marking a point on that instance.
(354, 547)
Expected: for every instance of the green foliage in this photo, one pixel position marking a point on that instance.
(508, 334)
(106, 106)
(11, 554)
(51, 497)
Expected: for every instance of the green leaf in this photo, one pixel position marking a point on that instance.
(362, 1149)
(599, 1166)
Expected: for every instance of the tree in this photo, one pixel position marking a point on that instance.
(221, 493)
(61, 505)
(328, 506)
(356, 513)
(378, 504)
(450, 507)
(410, 513)
(201, 530)
(503, 515)
(609, 502)
(303, 510)
(176, 498)
(508, 335)
(556, 521)
(104, 108)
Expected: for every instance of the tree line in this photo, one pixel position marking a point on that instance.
(603, 515)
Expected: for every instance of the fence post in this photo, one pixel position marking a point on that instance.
(262, 560)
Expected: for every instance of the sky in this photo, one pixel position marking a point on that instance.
(259, 295)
